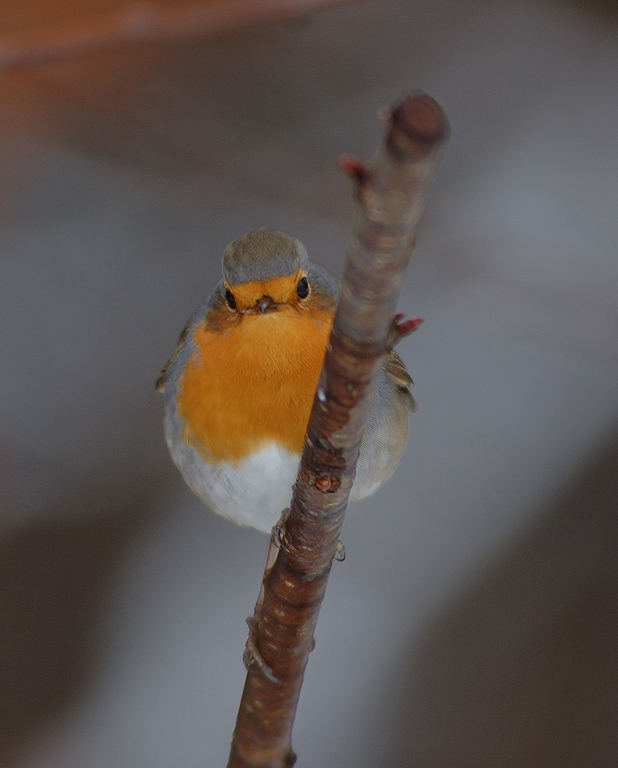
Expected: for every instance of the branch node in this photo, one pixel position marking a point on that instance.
(278, 532)
(251, 655)
(340, 552)
(324, 484)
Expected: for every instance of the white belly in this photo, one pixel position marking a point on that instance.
(252, 492)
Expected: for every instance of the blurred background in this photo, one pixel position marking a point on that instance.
(474, 622)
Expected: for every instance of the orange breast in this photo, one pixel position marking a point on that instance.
(253, 383)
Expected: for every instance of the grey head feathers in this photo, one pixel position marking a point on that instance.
(263, 255)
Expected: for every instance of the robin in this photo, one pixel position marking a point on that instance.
(240, 385)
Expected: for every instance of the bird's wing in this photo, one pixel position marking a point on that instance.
(394, 366)
(160, 385)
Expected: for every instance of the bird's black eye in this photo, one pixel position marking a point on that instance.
(229, 297)
(302, 289)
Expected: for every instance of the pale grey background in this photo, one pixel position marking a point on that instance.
(474, 621)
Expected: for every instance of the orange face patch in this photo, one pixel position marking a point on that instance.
(282, 290)
(251, 381)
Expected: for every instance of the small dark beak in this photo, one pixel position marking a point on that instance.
(267, 304)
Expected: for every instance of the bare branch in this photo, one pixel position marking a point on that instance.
(144, 22)
(390, 193)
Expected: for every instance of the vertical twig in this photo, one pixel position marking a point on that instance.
(390, 192)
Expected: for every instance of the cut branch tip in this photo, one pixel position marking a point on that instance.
(417, 119)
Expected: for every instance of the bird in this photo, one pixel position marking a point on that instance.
(240, 385)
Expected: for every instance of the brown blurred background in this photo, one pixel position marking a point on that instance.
(474, 622)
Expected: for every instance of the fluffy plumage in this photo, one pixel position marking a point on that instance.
(240, 385)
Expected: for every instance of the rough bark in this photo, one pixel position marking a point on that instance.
(390, 193)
